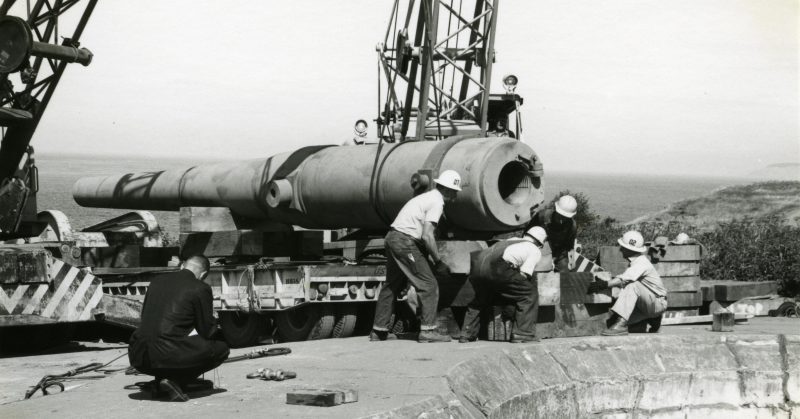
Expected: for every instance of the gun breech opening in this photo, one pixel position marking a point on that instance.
(514, 183)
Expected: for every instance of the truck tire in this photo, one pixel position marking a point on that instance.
(305, 323)
(346, 316)
(242, 329)
(787, 309)
(323, 329)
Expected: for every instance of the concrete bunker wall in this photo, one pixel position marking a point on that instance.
(722, 376)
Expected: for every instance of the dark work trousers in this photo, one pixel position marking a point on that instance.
(406, 262)
(507, 283)
(218, 354)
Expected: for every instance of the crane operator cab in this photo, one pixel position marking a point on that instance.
(502, 107)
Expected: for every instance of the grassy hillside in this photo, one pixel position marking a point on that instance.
(779, 199)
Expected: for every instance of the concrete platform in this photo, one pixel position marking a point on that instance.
(685, 370)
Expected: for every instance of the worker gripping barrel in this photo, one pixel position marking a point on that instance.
(407, 244)
(510, 276)
(559, 222)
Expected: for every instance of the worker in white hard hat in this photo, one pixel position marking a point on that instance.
(561, 229)
(511, 277)
(643, 297)
(411, 254)
(360, 134)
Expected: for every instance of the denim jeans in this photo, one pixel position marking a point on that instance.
(507, 283)
(406, 262)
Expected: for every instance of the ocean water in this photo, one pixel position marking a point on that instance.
(621, 197)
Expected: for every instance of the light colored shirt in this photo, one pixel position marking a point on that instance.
(640, 269)
(426, 207)
(523, 255)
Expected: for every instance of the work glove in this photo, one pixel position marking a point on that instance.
(597, 286)
(441, 269)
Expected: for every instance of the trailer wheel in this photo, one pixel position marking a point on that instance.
(787, 309)
(305, 323)
(242, 329)
(346, 317)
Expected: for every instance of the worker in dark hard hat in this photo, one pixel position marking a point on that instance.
(175, 340)
(643, 296)
(501, 129)
(359, 134)
(561, 229)
(511, 277)
(410, 251)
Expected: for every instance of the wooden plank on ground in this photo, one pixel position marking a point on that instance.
(708, 318)
(674, 313)
(321, 397)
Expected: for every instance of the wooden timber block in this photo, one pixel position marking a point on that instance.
(678, 268)
(23, 265)
(735, 291)
(681, 283)
(575, 320)
(722, 321)
(567, 320)
(680, 253)
(321, 397)
(677, 261)
(499, 327)
(678, 313)
(127, 256)
(684, 299)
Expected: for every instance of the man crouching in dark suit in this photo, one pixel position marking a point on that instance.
(174, 341)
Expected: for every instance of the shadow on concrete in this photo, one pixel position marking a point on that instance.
(143, 393)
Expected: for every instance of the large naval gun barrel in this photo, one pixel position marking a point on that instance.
(336, 187)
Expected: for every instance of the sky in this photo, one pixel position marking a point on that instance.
(678, 87)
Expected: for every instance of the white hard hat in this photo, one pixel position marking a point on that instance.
(449, 179)
(682, 238)
(567, 206)
(537, 233)
(633, 240)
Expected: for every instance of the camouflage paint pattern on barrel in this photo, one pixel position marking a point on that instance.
(336, 187)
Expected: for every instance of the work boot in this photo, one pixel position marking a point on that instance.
(655, 323)
(619, 328)
(465, 339)
(173, 391)
(379, 335)
(524, 339)
(431, 336)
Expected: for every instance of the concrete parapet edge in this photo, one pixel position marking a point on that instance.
(646, 376)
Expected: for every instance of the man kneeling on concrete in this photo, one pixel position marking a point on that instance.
(174, 341)
(511, 277)
(643, 297)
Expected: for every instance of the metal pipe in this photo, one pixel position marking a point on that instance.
(330, 187)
